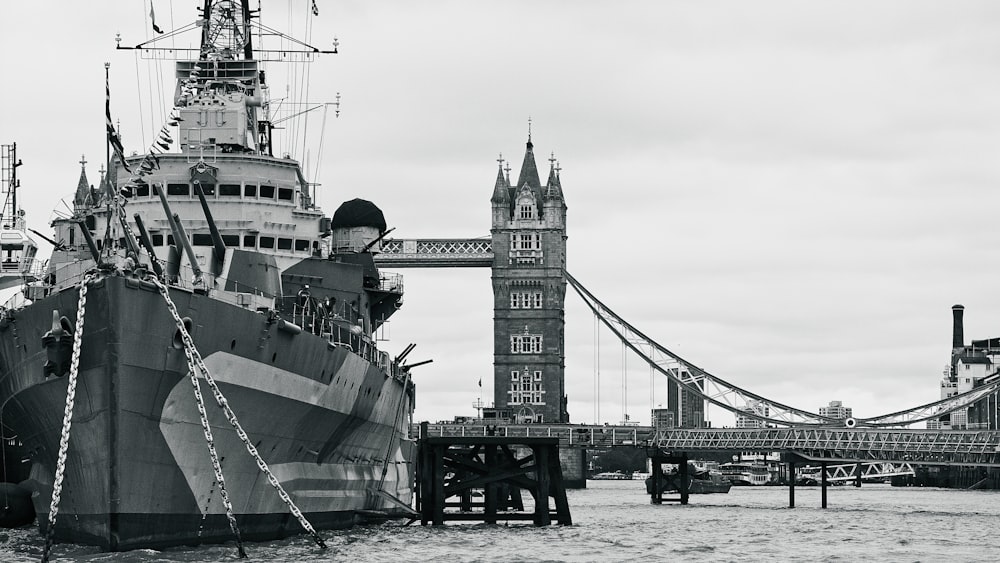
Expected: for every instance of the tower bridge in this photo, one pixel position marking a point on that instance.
(526, 251)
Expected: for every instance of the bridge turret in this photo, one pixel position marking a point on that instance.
(529, 290)
(501, 197)
(83, 197)
(554, 204)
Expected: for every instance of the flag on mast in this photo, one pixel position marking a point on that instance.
(152, 16)
(112, 134)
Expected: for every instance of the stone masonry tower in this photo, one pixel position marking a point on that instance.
(529, 254)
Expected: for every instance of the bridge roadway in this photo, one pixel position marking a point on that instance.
(918, 447)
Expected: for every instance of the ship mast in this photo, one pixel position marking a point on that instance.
(9, 213)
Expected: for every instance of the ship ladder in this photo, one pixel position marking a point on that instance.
(195, 364)
(67, 421)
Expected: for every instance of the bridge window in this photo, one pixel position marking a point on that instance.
(525, 241)
(157, 239)
(229, 190)
(249, 241)
(285, 194)
(201, 239)
(267, 192)
(526, 300)
(526, 344)
(301, 245)
(250, 190)
(231, 241)
(526, 388)
(266, 242)
(284, 244)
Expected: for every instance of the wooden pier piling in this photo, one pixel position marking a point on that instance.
(494, 467)
(659, 481)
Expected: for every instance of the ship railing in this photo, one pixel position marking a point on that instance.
(340, 331)
(390, 282)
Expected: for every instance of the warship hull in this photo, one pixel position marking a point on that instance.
(329, 423)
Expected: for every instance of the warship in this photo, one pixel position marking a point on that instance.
(198, 360)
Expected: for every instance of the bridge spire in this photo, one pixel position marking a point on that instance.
(82, 197)
(501, 190)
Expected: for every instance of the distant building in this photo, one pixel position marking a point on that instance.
(663, 419)
(971, 366)
(688, 407)
(755, 407)
(836, 409)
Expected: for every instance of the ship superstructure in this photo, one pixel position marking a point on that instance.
(205, 259)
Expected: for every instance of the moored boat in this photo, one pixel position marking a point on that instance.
(744, 473)
(701, 480)
(209, 333)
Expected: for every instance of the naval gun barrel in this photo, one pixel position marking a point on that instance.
(182, 236)
(178, 231)
(368, 246)
(90, 242)
(147, 243)
(217, 243)
(56, 245)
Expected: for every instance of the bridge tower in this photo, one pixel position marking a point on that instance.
(529, 291)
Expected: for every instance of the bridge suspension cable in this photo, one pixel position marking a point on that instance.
(740, 401)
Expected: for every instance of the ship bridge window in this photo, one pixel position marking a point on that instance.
(285, 194)
(91, 222)
(178, 189)
(231, 240)
(201, 239)
(267, 192)
(301, 245)
(157, 239)
(284, 244)
(207, 189)
(142, 190)
(267, 242)
(249, 241)
(250, 190)
(229, 190)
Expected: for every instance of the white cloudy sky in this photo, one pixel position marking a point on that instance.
(789, 194)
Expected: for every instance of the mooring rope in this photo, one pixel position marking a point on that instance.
(195, 356)
(67, 420)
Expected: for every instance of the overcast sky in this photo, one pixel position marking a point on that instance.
(791, 195)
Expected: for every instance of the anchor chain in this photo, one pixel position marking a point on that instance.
(67, 420)
(195, 356)
(216, 465)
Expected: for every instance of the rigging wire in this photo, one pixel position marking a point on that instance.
(138, 88)
(304, 87)
(624, 384)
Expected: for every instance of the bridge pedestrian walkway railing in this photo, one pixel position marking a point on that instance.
(577, 435)
(925, 447)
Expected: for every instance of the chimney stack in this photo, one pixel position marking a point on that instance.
(957, 332)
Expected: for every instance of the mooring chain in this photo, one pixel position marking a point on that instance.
(74, 366)
(192, 353)
(216, 465)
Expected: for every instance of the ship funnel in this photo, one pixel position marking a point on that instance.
(957, 331)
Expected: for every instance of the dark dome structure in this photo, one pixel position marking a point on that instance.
(358, 213)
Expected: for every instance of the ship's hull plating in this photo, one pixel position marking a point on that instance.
(138, 472)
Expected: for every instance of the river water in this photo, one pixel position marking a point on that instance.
(614, 521)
